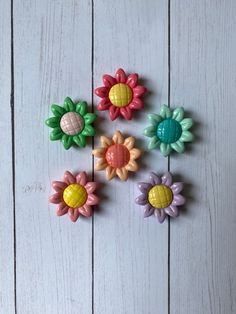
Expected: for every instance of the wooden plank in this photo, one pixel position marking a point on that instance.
(203, 67)
(6, 187)
(52, 42)
(130, 253)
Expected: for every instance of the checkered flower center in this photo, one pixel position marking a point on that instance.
(160, 196)
(71, 123)
(120, 95)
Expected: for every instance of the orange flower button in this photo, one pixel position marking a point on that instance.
(117, 156)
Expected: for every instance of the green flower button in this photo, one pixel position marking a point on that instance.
(169, 130)
(71, 123)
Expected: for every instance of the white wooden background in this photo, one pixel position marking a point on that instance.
(117, 262)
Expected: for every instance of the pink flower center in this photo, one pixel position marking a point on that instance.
(117, 156)
(71, 123)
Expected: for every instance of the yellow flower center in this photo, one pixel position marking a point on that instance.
(75, 195)
(160, 196)
(120, 95)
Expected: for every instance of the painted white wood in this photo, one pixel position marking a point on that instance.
(203, 67)
(130, 253)
(52, 46)
(6, 196)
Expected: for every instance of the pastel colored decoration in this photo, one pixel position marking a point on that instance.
(74, 195)
(117, 156)
(71, 123)
(169, 130)
(120, 94)
(160, 196)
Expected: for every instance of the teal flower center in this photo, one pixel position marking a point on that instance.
(169, 131)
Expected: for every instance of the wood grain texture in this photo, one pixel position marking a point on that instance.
(6, 186)
(203, 67)
(130, 252)
(52, 46)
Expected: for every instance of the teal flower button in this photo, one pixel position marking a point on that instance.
(169, 130)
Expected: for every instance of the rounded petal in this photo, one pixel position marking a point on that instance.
(91, 187)
(122, 173)
(165, 149)
(73, 214)
(132, 166)
(99, 152)
(141, 199)
(81, 108)
(178, 114)
(106, 141)
(114, 112)
(81, 178)
(172, 211)
(69, 178)
(132, 80)
(108, 80)
(135, 153)
(186, 124)
(144, 187)
(104, 104)
(139, 90)
(110, 172)
(166, 179)
(89, 118)
(177, 187)
(136, 104)
(178, 147)
(165, 112)
(56, 134)
(118, 138)
(154, 119)
(68, 104)
(154, 178)
(148, 210)
(186, 136)
(178, 200)
(80, 140)
(160, 214)
(56, 198)
(92, 199)
(154, 143)
(102, 92)
(88, 130)
(101, 165)
(59, 186)
(129, 142)
(53, 122)
(126, 113)
(150, 131)
(67, 141)
(85, 210)
(120, 76)
(58, 111)
(62, 209)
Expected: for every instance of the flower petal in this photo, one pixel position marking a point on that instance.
(166, 179)
(132, 166)
(53, 122)
(102, 92)
(160, 214)
(172, 211)
(177, 187)
(178, 146)
(79, 140)
(132, 80)
(92, 199)
(110, 172)
(126, 113)
(106, 141)
(85, 210)
(89, 118)
(135, 153)
(73, 214)
(99, 152)
(136, 104)
(81, 178)
(178, 200)
(122, 173)
(186, 123)
(186, 136)
(67, 141)
(129, 142)
(150, 131)
(58, 111)
(165, 149)
(56, 198)
(178, 114)
(154, 143)
(108, 80)
(154, 178)
(120, 76)
(69, 178)
(114, 112)
(68, 104)
(141, 199)
(139, 90)
(62, 209)
(81, 108)
(104, 104)
(56, 134)
(154, 118)
(144, 187)
(88, 130)
(165, 112)
(101, 165)
(59, 186)
(91, 187)
(118, 138)
(148, 210)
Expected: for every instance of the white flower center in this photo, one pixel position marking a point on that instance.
(71, 123)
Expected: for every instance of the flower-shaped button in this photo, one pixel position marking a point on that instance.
(120, 94)
(71, 123)
(160, 196)
(117, 156)
(74, 195)
(169, 130)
